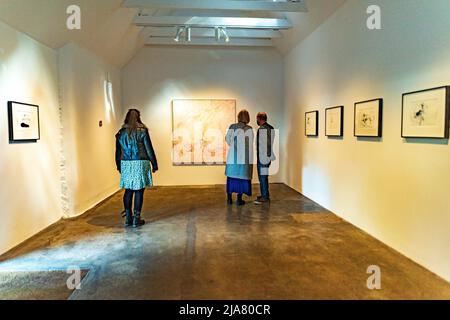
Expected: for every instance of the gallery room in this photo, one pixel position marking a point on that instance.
(224, 150)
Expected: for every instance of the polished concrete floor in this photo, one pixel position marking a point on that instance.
(195, 246)
(36, 285)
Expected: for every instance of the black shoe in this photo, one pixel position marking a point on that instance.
(240, 202)
(230, 198)
(128, 218)
(137, 221)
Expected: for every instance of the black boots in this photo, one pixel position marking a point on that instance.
(230, 198)
(138, 222)
(135, 221)
(128, 218)
(240, 202)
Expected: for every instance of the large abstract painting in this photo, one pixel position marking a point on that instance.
(199, 130)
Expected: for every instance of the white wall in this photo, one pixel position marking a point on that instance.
(396, 190)
(156, 76)
(30, 189)
(90, 173)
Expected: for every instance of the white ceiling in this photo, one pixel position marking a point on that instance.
(107, 27)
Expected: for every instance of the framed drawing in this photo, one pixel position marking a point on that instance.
(199, 130)
(425, 114)
(334, 122)
(369, 118)
(23, 122)
(312, 124)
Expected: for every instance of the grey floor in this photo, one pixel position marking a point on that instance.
(195, 246)
(36, 285)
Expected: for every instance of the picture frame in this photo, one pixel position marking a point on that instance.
(24, 123)
(425, 113)
(334, 121)
(189, 114)
(312, 124)
(368, 118)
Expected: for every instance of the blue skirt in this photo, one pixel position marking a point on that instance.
(239, 186)
(136, 175)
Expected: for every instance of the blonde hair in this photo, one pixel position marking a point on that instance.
(244, 117)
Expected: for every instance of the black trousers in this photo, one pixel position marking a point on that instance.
(138, 200)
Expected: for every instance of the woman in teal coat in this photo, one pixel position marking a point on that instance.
(239, 169)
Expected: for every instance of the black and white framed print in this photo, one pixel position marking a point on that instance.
(368, 118)
(425, 114)
(334, 122)
(312, 124)
(23, 122)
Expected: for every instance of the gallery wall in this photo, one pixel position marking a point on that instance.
(89, 171)
(157, 75)
(30, 193)
(397, 190)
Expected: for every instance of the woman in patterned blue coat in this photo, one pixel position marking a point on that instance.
(239, 169)
(134, 153)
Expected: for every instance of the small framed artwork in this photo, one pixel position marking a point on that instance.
(369, 118)
(334, 122)
(425, 114)
(23, 122)
(312, 124)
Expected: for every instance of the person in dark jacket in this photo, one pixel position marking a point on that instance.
(265, 155)
(239, 169)
(134, 153)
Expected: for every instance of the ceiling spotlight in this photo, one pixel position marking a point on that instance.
(225, 34)
(188, 35)
(218, 33)
(179, 33)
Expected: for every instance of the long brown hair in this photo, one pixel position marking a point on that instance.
(133, 121)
